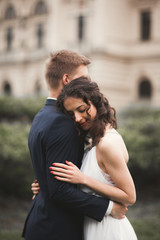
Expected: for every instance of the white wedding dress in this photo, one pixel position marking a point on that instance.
(109, 228)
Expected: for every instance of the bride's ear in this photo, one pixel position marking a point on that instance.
(65, 79)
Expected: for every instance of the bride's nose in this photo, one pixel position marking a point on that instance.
(78, 117)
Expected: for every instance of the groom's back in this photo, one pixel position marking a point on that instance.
(47, 218)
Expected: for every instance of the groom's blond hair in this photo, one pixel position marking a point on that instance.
(63, 62)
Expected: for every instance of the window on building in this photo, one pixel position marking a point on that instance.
(10, 13)
(80, 27)
(145, 89)
(145, 25)
(7, 88)
(9, 38)
(40, 8)
(40, 35)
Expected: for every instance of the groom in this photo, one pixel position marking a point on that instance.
(58, 210)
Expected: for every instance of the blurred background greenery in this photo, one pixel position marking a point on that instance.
(140, 128)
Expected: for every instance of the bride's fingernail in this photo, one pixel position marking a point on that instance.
(50, 168)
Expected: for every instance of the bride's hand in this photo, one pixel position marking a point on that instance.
(68, 173)
(35, 188)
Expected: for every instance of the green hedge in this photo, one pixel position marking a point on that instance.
(16, 169)
(20, 109)
(15, 164)
(140, 129)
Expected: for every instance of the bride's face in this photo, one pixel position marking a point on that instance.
(82, 113)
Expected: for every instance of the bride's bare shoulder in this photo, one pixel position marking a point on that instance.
(111, 144)
(111, 137)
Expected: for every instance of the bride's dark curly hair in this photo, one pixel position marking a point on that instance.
(89, 91)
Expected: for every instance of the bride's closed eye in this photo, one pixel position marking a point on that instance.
(82, 110)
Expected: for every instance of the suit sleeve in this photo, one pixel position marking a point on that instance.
(62, 145)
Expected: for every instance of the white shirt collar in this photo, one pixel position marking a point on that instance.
(51, 98)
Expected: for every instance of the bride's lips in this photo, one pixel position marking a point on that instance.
(82, 124)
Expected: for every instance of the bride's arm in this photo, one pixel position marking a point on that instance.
(72, 174)
(114, 163)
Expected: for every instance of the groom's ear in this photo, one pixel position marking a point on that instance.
(65, 79)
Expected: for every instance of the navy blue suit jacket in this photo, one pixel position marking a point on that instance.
(58, 210)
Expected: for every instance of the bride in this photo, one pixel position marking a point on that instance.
(104, 168)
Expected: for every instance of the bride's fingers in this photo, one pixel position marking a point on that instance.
(35, 184)
(35, 192)
(62, 165)
(70, 163)
(61, 169)
(60, 174)
(33, 196)
(35, 188)
(63, 179)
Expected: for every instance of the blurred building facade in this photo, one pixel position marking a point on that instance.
(121, 37)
